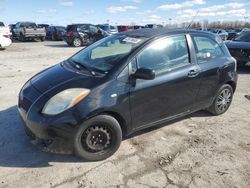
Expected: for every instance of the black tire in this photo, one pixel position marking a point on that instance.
(76, 42)
(222, 100)
(90, 132)
(42, 39)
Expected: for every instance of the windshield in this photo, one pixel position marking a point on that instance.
(107, 53)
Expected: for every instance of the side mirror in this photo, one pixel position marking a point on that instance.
(144, 74)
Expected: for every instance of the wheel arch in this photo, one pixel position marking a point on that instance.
(232, 84)
(121, 120)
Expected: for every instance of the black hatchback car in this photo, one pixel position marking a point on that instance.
(83, 34)
(127, 82)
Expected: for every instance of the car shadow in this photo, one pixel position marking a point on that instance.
(58, 45)
(201, 113)
(17, 151)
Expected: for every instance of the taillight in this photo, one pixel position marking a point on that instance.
(69, 34)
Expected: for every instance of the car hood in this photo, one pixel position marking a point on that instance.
(238, 44)
(59, 76)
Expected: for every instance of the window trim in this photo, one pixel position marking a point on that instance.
(162, 38)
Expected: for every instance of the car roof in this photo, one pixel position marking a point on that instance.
(152, 33)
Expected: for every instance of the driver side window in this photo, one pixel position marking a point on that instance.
(164, 54)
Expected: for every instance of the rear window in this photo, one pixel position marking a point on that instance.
(71, 28)
(28, 25)
(60, 28)
(206, 48)
(1, 24)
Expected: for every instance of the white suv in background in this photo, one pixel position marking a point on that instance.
(5, 40)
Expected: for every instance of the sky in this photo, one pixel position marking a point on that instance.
(141, 12)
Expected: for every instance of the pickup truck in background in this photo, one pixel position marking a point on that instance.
(29, 31)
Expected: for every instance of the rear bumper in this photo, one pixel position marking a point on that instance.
(27, 35)
(67, 39)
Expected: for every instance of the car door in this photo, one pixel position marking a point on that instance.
(95, 33)
(212, 61)
(174, 89)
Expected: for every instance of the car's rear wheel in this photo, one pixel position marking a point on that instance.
(77, 42)
(222, 100)
(98, 138)
(42, 39)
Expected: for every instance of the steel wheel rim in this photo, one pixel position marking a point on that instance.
(224, 100)
(77, 42)
(96, 139)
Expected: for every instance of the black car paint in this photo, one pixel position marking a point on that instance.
(84, 35)
(174, 94)
(240, 50)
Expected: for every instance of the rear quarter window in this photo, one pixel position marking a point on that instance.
(207, 49)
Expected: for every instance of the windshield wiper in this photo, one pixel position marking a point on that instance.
(80, 65)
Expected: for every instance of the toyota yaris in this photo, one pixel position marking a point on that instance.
(124, 83)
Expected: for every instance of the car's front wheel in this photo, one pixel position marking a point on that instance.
(222, 100)
(98, 138)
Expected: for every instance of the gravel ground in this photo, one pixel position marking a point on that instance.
(199, 150)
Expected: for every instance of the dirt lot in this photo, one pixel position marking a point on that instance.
(196, 151)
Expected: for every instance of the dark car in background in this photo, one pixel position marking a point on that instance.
(45, 26)
(232, 35)
(12, 27)
(83, 34)
(55, 32)
(124, 83)
(240, 48)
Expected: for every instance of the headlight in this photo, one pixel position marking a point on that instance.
(64, 100)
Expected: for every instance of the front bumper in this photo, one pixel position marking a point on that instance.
(47, 133)
(39, 126)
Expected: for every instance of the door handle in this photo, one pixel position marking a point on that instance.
(193, 73)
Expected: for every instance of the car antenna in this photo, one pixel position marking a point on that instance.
(192, 21)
